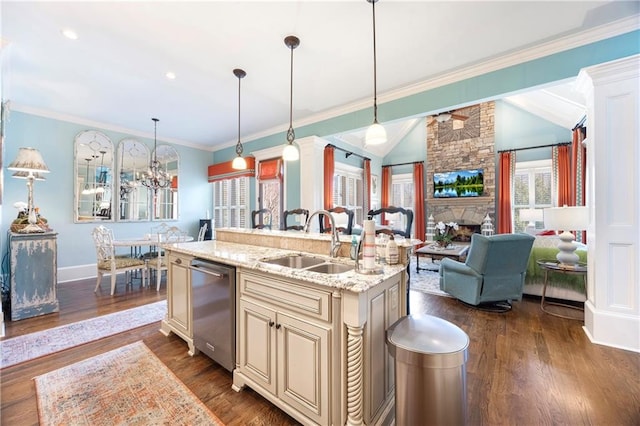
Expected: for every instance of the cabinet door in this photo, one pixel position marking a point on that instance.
(257, 344)
(179, 300)
(303, 366)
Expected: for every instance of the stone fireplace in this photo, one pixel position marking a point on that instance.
(457, 145)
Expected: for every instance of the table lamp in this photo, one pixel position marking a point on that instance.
(28, 165)
(532, 216)
(566, 219)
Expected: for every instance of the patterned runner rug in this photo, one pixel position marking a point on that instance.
(34, 345)
(126, 386)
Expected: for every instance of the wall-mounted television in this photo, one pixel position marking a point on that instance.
(461, 183)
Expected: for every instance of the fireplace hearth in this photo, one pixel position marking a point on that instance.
(465, 231)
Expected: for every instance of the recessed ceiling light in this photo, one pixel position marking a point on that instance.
(170, 75)
(70, 34)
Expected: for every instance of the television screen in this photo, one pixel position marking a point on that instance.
(461, 183)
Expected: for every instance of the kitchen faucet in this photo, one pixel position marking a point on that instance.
(335, 239)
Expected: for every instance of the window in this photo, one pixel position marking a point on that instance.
(230, 203)
(402, 193)
(532, 189)
(348, 189)
(270, 183)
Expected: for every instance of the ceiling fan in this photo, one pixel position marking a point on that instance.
(446, 116)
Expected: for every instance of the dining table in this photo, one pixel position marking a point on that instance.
(147, 240)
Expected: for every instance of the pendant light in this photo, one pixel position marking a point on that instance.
(155, 178)
(239, 163)
(290, 152)
(376, 134)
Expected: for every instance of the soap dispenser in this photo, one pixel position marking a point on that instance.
(392, 251)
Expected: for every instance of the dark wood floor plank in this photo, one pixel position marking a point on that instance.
(525, 367)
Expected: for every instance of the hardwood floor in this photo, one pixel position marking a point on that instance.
(525, 367)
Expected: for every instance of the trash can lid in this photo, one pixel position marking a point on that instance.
(427, 334)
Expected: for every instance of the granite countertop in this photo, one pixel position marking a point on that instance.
(249, 257)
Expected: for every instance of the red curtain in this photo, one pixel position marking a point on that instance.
(329, 167)
(418, 185)
(504, 192)
(367, 182)
(565, 194)
(385, 191)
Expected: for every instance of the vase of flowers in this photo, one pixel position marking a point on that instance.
(445, 233)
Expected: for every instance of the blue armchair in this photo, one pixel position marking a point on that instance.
(494, 271)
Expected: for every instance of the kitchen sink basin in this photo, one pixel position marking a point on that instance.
(296, 262)
(330, 268)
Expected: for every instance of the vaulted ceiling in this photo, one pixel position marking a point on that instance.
(115, 72)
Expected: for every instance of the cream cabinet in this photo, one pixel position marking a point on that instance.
(283, 351)
(317, 352)
(179, 319)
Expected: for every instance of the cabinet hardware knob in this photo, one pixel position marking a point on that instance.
(178, 261)
(278, 326)
(271, 323)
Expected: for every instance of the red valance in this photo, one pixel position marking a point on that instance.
(270, 169)
(224, 170)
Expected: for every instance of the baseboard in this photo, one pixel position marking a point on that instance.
(75, 273)
(612, 329)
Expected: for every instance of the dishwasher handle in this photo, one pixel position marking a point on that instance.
(208, 269)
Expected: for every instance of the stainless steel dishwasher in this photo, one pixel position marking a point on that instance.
(214, 310)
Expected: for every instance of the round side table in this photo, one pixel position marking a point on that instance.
(547, 266)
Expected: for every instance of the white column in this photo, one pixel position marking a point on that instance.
(612, 311)
(311, 172)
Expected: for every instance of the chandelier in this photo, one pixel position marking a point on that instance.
(376, 134)
(155, 178)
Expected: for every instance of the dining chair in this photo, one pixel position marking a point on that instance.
(159, 264)
(108, 263)
(261, 219)
(402, 218)
(202, 232)
(301, 214)
(343, 218)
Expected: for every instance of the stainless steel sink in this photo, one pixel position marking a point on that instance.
(330, 268)
(296, 262)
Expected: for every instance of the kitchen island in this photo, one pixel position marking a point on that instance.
(312, 343)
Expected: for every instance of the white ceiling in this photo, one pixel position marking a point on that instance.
(114, 73)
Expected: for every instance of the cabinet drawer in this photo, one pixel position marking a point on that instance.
(287, 294)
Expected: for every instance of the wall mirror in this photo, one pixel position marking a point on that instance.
(93, 186)
(165, 200)
(133, 197)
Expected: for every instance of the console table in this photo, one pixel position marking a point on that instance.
(33, 274)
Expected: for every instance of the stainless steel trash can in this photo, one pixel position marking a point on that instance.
(430, 371)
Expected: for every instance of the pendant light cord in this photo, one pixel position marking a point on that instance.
(290, 133)
(375, 76)
(155, 140)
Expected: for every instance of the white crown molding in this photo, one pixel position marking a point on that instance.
(551, 47)
(557, 45)
(105, 126)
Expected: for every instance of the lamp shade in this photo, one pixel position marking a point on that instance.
(290, 153)
(567, 218)
(28, 160)
(376, 135)
(25, 175)
(531, 215)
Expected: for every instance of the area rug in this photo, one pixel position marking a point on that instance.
(125, 386)
(426, 280)
(34, 345)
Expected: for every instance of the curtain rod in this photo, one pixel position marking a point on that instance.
(347, 154)
(535, 147)
(580, 123)
(402, 164)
